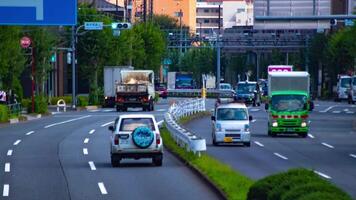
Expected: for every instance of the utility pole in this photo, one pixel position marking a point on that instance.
(218, 67)
(144, 10)
(74, 39)
(151, 10)
(33, 73)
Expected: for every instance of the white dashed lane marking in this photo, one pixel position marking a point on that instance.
(253, 121)
(103, 125)
(92, 166)
(17, 142)
(92, 131)
(85, 151)
(310, 135)
(9, 152)
(353, 155)
(7, 167)
(259, 144)
(281, 156)
(328, 145)
(29, 133)
(86, 140)
(337, 111)
(102, 188)
(5, 191)
(322, 175)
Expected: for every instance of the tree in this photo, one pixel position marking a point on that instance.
(11, 59)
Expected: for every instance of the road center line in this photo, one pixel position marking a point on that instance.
(259, 144)
(92, 131)
(103, 125)
(67, 121)
(85, 151)
(353, 155)
(29, 133)
(328, 145)
(5, 191)
(311, 136)
(102, 188)
(322, 174)
(17, 142)
(9, 152)
(279, 155)
(7, 167)
(86, 140)
(92, 166)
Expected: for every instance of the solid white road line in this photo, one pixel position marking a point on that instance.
(326, 110)
(350, 112)
(259, 144)
(9, 152)
(322, 174)
(337, 111)
(310, 135)
(253, 121)
(102, 188)
(92, 131)
(5, 191)
(353, 155)
(86, 140)
(328, 145)
(67, 121)
(29, 133)
(17, 142)
(85, 151)
(103, 125)
(7, 167)
(279, 155)
(92, 166)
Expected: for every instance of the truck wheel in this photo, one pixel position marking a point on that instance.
(247, 144)
(214, 141)
(303, 135)
(157, 160)
(115, 161)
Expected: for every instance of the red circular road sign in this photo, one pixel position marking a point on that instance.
(25, 42)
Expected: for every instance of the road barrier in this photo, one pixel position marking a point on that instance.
(210, 93)
(183, 137)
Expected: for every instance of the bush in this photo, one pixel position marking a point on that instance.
(4, 113)
(67, 99)
(282, 185)
(83, 101)
(321, 195)
(26, 104)
(41, 106)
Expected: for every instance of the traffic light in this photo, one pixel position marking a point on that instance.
(69, 58)
(53, 58)
(121, 25)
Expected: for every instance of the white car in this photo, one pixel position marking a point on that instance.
(136, 136)
(231, 124)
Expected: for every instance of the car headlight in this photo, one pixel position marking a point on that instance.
(218, 127)
(275, 124)
(304, 124)
(247, 127)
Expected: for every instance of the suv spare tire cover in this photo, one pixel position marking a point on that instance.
(142, 137)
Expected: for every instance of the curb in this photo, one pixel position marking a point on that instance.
(200, 174)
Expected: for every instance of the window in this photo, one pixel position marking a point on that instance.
(206, 21)
(206, 10)
(130, 124)
(225, 114)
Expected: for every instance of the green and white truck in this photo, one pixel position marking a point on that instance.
(289, 103)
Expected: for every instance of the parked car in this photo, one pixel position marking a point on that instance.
(231, 123)
(248, 92)
(161, 89)
(136, 136)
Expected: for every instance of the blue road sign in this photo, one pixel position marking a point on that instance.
(349, 22)
(38, 12)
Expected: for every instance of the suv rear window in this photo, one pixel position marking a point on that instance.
(130, 124)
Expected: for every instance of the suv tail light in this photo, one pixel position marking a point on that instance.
(158, 139)
(116, 139)
(120, 99)
(144, 99)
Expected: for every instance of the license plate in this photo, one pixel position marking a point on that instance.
(290, 129)
(227, 139)
(124, 141)
(132, 99)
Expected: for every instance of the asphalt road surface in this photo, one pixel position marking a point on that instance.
(66, 156)
(329, 149)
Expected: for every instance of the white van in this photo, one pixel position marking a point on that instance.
(342, 87)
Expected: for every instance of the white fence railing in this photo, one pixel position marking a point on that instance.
(183, 137)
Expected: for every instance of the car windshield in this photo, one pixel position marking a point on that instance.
(224, 114)
(130, 124)
(245, 88)
(288, 102)
(225, 86)
(345, 82)
(354, 81)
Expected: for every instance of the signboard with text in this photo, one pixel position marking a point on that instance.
(38, 12)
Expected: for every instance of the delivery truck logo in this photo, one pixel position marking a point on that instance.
(38, 4)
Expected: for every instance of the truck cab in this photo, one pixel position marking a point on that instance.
(288, 103)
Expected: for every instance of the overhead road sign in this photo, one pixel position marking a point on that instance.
(93, 25)
(38, 12)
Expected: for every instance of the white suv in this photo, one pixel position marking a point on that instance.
(136, 136)
(231, 124)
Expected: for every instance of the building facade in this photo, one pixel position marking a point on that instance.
(207, 17)
(237, 13)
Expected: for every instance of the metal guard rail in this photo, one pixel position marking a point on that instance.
(181, 136)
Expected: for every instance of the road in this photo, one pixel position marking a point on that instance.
(329, 149)
(66, 156)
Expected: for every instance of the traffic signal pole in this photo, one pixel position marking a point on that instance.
(74, 40)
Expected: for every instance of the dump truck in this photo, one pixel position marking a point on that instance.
(135, 89)
(289, 103)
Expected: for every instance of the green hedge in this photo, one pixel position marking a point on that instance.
(67, 99)
(4, 113)
(83, 101)
(26, 104)
(286, 186)
(41, 105)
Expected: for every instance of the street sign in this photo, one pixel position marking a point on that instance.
(25, 42)
(349, 22)
(93, 26)
(38, 12)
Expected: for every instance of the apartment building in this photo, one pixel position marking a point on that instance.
(238, 13)
(207, 17)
